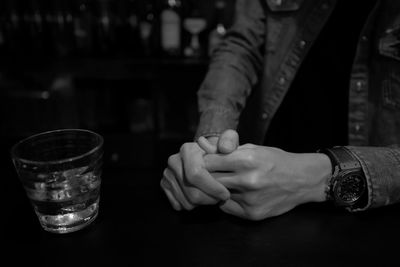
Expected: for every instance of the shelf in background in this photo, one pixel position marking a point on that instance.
(105, 68)
(146, 108)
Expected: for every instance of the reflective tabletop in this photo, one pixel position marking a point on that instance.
(136, 226)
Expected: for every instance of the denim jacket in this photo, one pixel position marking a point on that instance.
(264, 49)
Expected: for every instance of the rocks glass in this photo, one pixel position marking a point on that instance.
(61, 173)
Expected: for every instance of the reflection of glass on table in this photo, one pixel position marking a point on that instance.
(61, 173)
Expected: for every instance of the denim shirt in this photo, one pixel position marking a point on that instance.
(261, 54)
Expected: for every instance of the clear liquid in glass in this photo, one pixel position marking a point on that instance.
(65, 201)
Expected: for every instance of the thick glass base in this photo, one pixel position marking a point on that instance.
(70, 222)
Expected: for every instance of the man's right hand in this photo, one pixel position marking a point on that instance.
(187, 183)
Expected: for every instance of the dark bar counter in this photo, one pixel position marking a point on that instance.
(136, 226)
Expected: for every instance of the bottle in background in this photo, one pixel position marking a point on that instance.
(83, 19)
(61, 26)
(194, 24)
(105, 28)
(171, 28)
(218, 32)
(147, 29)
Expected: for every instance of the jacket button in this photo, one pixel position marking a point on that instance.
(302, 44)
(359, 86)
(282, 80)
(264, 116)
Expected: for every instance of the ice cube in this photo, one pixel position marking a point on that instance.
(39, 186)
(42, 176)
(68, 174)
(76, 207)
(59, 195)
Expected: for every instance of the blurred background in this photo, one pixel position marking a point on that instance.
(127, 69)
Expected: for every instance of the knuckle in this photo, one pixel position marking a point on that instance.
(185, 148)
(249, 159)
(165, 173)
(252, 182)
(182, 149)
(172, 160)
(162, 183)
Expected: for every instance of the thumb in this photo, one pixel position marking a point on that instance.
(228, 141)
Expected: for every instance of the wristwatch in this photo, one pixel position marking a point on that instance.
(348, 185)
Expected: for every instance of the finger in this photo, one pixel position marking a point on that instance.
(197, 175)
(228, 142)
(176, 190)
(174, 174)
(228, 179)
(223, 162)
(206, 145)
(191, 194)
(203, 180)
(240, 193)
(232, 207)
(174, 203)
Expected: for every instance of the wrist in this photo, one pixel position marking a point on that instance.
(320, 173)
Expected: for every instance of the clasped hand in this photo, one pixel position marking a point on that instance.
(249, 181)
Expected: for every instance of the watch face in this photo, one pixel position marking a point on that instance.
(349, 189)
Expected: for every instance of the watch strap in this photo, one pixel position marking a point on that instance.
(342, 158)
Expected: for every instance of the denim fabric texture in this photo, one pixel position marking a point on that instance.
(264, 49)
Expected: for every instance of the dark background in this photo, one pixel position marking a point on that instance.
(84, 64)
(63, 66)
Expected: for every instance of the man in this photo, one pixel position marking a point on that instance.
(311, 47)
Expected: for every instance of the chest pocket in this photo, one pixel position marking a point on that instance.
(389, 43)
(389, 47)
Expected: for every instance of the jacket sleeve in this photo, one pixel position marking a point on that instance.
(381, 166)
(233, 70)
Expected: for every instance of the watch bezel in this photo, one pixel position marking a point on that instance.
(338, 188)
